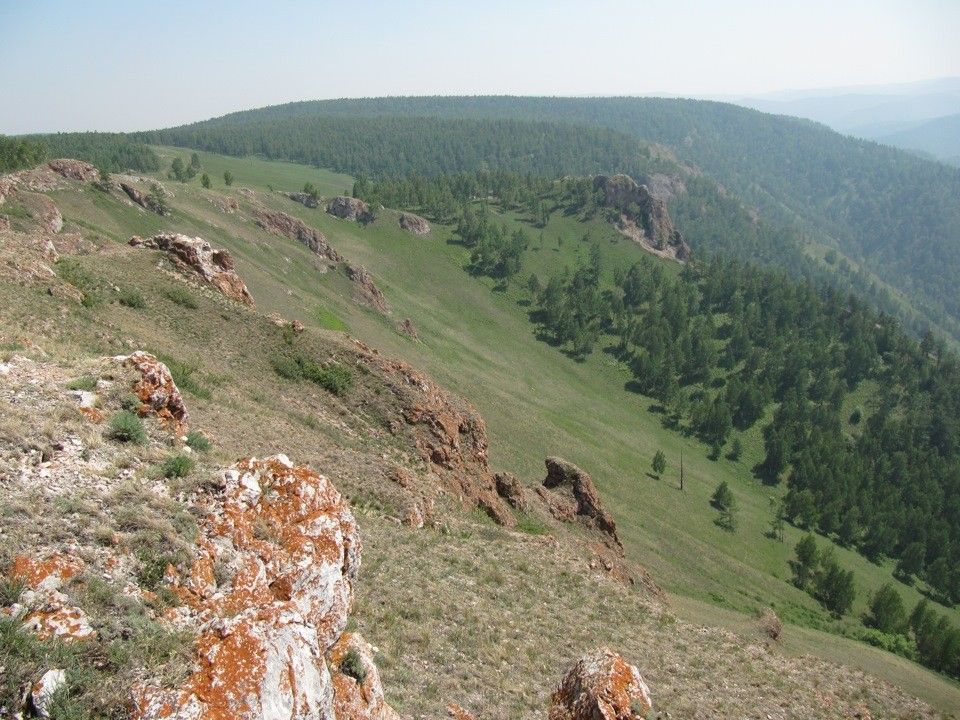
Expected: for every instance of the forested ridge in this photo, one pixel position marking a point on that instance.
(888, 208)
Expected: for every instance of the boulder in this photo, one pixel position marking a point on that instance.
(44, 610)
(305, 199)
(157, 391)
(287, 551)
(357, 698)
(279, 223)
(144, 201)
(586, 501)
(74, 169)
(414, 223)
(194, 254)
(365, 291)
(348, 208)
(601, 686)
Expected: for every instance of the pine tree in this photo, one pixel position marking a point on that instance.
(228, 178)
(659, 463)
(205, 181)
(805, 564)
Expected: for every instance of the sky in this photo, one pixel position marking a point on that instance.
(104, 65)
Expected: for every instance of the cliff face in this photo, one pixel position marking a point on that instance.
(643, 216)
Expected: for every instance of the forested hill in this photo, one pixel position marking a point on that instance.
(897, 213)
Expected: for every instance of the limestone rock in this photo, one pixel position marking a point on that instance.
(196, 255)
(157, 391)
(348, 208)
(74, 169)
(143, 200)
(305, 199)
(365, 291)
(280, 223)
(406, 327)
(43, 690)
(601, 686)
(355, 699)
(42, 609)
(287, 551)
(414, 223)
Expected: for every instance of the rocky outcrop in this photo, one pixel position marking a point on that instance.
(357, 690)
(47, 213)
(74, 169)
(279, 223)
(348, 208)
(365, 291)
(580, 499)
(194, 254)
(286, 551)
(144, 201)
(157, 391)
(414, 223)
(448, 432)
(511, 490)
(601, 686)
(643, 215)
(305, 199)
(44, 690)
(406, 327)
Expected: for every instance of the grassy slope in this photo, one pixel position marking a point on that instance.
(478, 342)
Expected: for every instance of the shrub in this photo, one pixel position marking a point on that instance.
(131, 298)
(82, 279)
(352, 665)
(183, 375)
(334, 377)
(177, 466)
(87, 382)
(198, 441)
(856, 416)
(181, 297)
(127, 427)
(286, 367)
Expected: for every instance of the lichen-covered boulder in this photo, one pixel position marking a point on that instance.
(286, 551)
(601, 686)
(414, 224)
(157, 391)
(357, 690)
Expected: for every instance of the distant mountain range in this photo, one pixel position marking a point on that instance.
(921, 116)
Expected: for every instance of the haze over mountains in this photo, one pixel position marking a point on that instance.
(923, 116)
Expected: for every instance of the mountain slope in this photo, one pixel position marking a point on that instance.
(891, 211)
(939, 137)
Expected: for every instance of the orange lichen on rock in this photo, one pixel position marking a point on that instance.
(94, 415)
(48, 574)
(357, 698)
(458, 713)
(286, 547)
(601, 686)
(157, 391)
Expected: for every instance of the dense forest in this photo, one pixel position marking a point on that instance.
(16, 153)
(113, 152)
(893, 211)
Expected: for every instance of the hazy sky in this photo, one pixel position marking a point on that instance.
(129, 65)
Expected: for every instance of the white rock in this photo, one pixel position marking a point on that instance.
(44, 689)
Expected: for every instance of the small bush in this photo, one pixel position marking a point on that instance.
(82, 279)
(177, 466)
(287, 367)
(183, 375)
(856, 416)
(198, 441)
(335, 378)
(127, 427)
(352, 666)
(180, 296)
(87, 382)
(131, 298)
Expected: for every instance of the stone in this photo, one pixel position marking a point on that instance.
(305, 199)
(511, 490)
(414, 224)
(74, 169)
(157, 391)
(288, 550)
(354, 699)
(588, 505)
(196, 255)
(601, 686)
(366, 292)
(348, 208)
(406, 327)
(42, 692)
(280, 223)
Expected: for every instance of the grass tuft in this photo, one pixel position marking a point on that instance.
(127, 427)
(177, 466)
